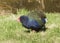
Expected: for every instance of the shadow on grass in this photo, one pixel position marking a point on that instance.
(43, 29)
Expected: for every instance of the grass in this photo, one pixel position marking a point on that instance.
(12, 31)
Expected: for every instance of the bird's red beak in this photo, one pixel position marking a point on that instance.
(18, 19)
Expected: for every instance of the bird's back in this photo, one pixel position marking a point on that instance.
(38, 16)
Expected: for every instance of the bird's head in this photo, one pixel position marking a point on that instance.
(21, 18)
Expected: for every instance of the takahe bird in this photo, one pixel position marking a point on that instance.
(34, 20)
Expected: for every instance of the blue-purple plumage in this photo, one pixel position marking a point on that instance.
(31, 23)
